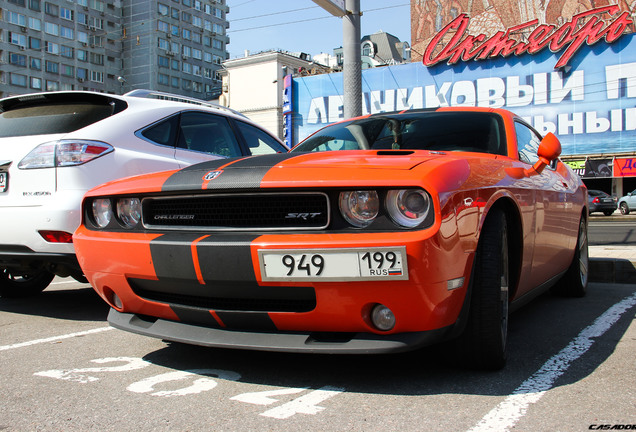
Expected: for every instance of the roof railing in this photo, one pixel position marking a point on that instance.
(151, 94)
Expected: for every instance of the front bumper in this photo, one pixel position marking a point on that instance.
(326, 343)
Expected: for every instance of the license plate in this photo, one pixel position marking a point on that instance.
(334, 264)
(3, 181)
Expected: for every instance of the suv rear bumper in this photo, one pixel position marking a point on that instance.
(21, 257)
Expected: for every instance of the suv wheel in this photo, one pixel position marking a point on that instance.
(17, 283)
(624, 208)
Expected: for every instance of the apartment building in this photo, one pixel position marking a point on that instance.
(174, 46)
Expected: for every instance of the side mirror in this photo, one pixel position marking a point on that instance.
(549, 150)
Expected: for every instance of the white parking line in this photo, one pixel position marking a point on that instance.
(505, 415)
(54, 338)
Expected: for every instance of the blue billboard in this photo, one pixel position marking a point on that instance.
(590, 103)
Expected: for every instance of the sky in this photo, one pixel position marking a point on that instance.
(303, 26)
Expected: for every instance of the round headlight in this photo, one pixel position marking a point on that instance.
(129, 211)
(359, 208)
(408, 207)
(102, 212)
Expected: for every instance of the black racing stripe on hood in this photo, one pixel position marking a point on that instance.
(236, 173)
(191, 177)
(247, 173)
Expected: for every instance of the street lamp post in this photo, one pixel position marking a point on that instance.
(352, 65)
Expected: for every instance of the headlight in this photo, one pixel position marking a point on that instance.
(408, 207)
(129, 211)
(102, 212)
(359, 208)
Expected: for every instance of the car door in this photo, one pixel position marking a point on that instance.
(555, 221)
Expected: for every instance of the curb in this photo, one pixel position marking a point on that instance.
(612, 270)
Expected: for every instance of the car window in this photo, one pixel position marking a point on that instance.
(208, 133)
(527, 143)
(52, 118)
(164, 132)
(440, 131)
(258, 141)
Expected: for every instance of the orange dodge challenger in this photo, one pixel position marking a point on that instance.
(378, 234)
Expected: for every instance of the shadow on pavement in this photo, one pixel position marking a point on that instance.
(537, 332)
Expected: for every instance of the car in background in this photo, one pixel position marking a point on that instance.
(378, 234)
(55, 146)
(601, 202)
(627, 203)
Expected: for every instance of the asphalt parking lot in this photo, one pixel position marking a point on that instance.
(571, 368)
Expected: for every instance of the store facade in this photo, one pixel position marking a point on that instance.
(574, 76)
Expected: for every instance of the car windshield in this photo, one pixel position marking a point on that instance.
(431, 130)
(51, 118)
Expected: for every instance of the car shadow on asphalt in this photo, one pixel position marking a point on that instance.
(80, 303)
(537, 332)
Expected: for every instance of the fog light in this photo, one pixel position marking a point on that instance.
(382, 317)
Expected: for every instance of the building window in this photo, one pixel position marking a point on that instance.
(174, 82)
(175, 65)
(218, 13)
(197, 54)
(174, 13)
(35, 44)
(186, 51)
(67, 33)
(15, 18)
(186, 84)
(174, 30)
(82, 74)
(36, 83)
(68, 70)
(82, 37)
(163, 61)
(186, 68)
(162, 9)
(52, 85)
(35, 63)
(52, 67)
(52, 29)
(217, 44)
(17, 39)
(66, 14)
(186, 34)
(163, 79)
(17, 59)
(98, 5)
(35, 5)
(186, 17)
(18, 80)
(163, 26)
(66, 51)
(35, 24)
(218, 29)
(52, 48)
(97, 59)
(51, 9)
(97, 76)
(82, 19)
(82, 55)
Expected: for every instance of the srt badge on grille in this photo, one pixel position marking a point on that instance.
(211, 175)
(303, 216)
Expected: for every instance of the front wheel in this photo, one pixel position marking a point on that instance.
(624, 209)
(483, 343)
(574, 283)
(15, 283)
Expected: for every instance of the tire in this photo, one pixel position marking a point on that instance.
(608, 212)
(624, 209)
(483, 343)
(574, 282)
(14, 284)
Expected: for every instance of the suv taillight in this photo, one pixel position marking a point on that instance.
(64, 153)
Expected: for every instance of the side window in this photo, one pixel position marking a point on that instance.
(258, 141)
(164, 132)
(528, 143)
(207, 133)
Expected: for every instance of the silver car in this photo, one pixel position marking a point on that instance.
(627, 203)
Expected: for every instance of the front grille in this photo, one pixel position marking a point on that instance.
(286, 211)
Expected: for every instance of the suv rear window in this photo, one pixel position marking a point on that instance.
(52, 118)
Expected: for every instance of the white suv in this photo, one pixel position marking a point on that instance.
(55, 146)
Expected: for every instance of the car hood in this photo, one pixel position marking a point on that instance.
(320, 169)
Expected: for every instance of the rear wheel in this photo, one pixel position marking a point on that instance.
(624, 209)
(483, 343)
(16, 283)
(574, 283)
